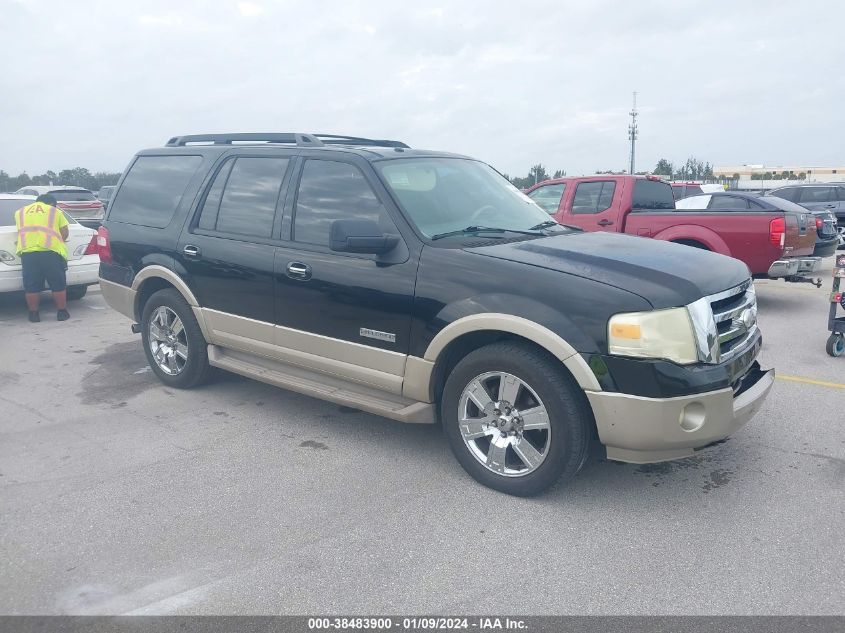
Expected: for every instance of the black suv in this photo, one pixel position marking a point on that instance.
(424, 287)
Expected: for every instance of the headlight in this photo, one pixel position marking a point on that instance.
(665, 334)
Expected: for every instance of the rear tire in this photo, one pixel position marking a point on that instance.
(835, 345)
(173, 342)
(75, 293)
(541, 433)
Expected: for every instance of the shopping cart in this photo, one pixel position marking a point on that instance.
(836, 325)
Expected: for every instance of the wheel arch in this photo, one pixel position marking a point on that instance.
(425, 377)
(153, 278)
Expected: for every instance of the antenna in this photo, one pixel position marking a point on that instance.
(632, 132)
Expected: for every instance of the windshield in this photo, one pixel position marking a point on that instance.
(440, 195)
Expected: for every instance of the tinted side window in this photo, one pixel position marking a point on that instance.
(211, 205)
(840, 194)
(727, 203)
(815, 194)
(652, 194)
(790, 193)
(248, 203)
(153, 189)
(548, 197)
(330, 191)
(593, 197)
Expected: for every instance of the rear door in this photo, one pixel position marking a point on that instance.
(228, 249)
(591, 205)
(816, 198)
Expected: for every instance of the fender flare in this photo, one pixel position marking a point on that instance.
(169, 276)
(534, 332)
(696, 233)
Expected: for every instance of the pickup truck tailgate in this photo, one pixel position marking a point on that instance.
(800, 238)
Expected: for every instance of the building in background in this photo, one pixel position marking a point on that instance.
(768, 177)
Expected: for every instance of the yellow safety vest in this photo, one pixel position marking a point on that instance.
(39, 229)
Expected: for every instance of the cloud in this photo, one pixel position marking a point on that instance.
(250, 9)
(166, 20)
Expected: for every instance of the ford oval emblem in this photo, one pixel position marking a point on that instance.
(748, 318)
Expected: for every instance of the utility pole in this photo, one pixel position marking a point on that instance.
(632, 132)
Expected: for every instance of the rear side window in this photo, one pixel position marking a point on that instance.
(330, 191)
(653, 194)
(840, 194)
(789, 193)
(548, 197)
(815, 194)
(727, 203)
(243, 197)
(594, 197)
(153, 189)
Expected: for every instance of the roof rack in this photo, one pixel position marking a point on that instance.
(288, 138)
(291, 138)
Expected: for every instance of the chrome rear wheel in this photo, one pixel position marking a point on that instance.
(168, 341)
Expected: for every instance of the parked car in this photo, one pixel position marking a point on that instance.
(776, 244)
(823, 220)
(104, 195)
(83, 262)
(815, 196)
(685, 189)
(424, 287)
(76, 202)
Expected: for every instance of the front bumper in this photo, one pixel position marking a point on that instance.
(642, 430)
(795, 266)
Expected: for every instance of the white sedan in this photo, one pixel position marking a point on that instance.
(83, 265)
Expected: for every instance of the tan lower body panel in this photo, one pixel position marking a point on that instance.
(318, 385)
(644, 430)
(120, 298)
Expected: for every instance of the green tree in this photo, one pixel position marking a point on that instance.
(559, 173)
(664, 168)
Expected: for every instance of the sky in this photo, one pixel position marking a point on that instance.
(512, 83)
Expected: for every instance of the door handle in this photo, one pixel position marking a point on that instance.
(298, 270)
(604, 223)
(191, 251)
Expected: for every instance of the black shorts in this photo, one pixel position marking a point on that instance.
(42, 266)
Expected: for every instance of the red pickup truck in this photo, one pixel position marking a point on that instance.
(777, 244)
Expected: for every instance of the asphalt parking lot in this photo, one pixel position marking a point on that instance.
(119, 495)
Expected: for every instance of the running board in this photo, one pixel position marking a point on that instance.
(322, 386)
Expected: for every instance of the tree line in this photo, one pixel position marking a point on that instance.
(536, 174)
(78, 177)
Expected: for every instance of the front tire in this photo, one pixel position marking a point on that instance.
(515, 419)
(173, 342)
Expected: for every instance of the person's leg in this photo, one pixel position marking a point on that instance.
(57, 280)
(33, 282)
(33, 300)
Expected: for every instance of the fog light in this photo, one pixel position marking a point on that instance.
(692, 417)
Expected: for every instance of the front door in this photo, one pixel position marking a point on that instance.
(591, 206)
(354, 309)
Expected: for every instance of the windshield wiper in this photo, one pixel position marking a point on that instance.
(482, 229)
(544, 225)
(550, 223)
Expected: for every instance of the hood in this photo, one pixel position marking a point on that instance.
(664, 274)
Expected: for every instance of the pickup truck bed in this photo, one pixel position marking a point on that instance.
(771, 243)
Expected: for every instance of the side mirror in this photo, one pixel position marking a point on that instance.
(360, 236)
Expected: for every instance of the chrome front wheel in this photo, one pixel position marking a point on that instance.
(504, 424)
(168, 341)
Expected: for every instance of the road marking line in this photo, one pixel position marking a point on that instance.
(810, 381)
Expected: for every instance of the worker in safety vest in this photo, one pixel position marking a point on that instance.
(42, 233)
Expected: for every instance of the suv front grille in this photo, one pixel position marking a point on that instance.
(735, 314)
